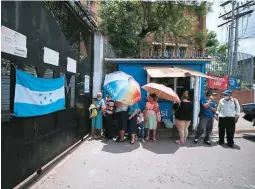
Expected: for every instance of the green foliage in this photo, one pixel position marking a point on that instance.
(211, 39)
(200, 38)
(126, 23)
(213, 45)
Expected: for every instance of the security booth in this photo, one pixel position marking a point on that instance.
(179, 74)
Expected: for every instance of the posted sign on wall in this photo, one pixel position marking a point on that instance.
(13, 42)
(218, 82)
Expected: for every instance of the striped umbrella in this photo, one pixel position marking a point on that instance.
(122, 88)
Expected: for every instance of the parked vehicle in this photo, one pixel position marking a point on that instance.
(249, 110)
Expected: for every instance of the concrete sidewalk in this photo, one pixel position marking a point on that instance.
(242, 126)
(153, 165)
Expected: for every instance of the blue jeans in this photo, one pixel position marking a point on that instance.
(141, 130)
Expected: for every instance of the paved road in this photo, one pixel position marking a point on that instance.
(154, 165)
(242, 124)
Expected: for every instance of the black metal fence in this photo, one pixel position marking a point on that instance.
(243, 68)
(30, 143)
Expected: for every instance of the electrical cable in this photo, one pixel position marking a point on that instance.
(245, 28)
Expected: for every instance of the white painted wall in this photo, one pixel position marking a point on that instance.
(197, 97)
(254, 93)
(98, 63)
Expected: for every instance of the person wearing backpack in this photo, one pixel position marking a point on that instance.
(97, 118)
(227, 114)
(206, 117)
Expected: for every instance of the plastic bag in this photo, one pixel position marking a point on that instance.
(169, 124)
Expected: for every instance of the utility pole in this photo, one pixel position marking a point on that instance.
(236, 39)
(231, 37)
(232, 18)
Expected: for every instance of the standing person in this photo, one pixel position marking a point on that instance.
(132, 119)
(183, 117)
(206, 116)
(97, 122)
(108, 117)
(140, 123)
(122, 118)
(151, 110)
(228, 112)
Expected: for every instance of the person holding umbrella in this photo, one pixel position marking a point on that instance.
(132, 119)
(125, 91)
(152, 107)
(121, 114)
(151, 110)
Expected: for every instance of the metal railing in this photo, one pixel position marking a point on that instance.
(243, 68)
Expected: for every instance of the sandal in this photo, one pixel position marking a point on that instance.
(118, 140)
(132, 142)
(179, 142)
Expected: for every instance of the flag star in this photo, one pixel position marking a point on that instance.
(45, 97)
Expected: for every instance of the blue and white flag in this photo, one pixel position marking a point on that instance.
(37, 96)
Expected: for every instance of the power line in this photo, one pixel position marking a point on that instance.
(233, 17)
(235, 8)
(244, 31)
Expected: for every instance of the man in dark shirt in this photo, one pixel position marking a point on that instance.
(206, 115)
(108, 118)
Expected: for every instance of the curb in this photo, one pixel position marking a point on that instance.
(239, 131)
(51, 163)
(245, 131)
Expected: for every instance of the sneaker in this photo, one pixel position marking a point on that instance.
(195, 140)
(207, 142)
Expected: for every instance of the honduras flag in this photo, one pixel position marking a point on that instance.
(37, 96)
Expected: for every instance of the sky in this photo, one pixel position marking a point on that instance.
(246, 27)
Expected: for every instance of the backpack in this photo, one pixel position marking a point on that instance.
(93, 111)
(234, 99)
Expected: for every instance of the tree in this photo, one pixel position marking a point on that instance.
(213, 45)
(217, 51)
(126, 23)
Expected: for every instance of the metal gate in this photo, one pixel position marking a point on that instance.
(243, 68)
(30, 143)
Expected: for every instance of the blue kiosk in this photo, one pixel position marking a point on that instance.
(142, 71)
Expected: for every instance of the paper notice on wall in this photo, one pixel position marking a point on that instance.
(50, 56)
(86, 83)
(13, 42)
(71, 65)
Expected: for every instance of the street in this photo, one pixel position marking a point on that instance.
(154, 165)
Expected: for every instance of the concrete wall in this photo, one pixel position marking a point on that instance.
(244, 96)
(98, 63)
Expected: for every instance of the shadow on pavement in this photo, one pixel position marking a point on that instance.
(191, 144)
(236, 147)
(249, 137)
(162, 146)
(119, 147)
